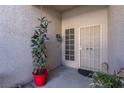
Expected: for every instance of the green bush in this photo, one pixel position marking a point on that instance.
(107, 80)
(39, 47)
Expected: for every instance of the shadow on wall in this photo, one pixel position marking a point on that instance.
(83, 9)
(16, 28)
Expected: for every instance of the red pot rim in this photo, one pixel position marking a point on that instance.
(46, 71)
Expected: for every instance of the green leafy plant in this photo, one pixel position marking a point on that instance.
(39, 47)
(107, 80)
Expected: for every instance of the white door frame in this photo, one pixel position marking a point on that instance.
(101, 48)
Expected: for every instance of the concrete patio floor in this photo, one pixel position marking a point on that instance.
(63, 77)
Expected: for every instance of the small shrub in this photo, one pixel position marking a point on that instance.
(107, 80)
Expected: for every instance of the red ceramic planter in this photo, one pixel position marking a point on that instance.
(40, 80)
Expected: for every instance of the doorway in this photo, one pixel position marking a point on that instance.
(90, 52)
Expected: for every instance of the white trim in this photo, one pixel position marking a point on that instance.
(101, 48)
(79, 49)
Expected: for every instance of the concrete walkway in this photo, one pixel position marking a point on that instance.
(64, 77)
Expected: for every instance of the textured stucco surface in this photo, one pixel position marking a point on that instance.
(53, 46)
(116, 37)
(17, 24)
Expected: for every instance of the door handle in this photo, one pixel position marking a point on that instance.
(91, 48)
(87, 48)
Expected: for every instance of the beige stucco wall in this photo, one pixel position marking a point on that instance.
(83, 16)
(17, 24)
(116, 37)
(53, 46)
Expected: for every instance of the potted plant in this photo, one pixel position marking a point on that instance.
(39, 53)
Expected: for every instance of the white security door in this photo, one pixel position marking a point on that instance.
(90, 48)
